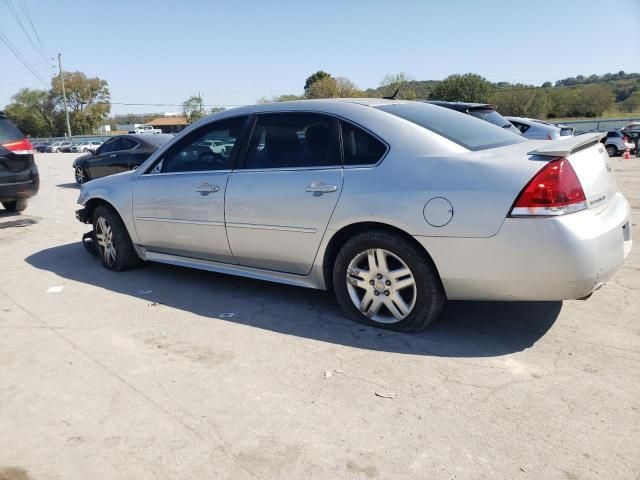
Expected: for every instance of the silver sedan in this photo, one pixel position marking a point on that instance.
(395, 206)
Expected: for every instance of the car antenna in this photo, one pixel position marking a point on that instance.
(392, 97)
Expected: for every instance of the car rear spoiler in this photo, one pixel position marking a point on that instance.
(562, 148)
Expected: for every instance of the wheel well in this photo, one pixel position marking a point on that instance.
(344, 234)
(94, 203)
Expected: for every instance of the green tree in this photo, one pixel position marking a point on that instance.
(279, 98)
(319, 75)
(193, 108)
(547, 85)
(595, 100)
(34, 112)
(345, 88)
(88, 100)
(469, 87)
(631, 104)
(399, 82)
(326, 87)
(521, 101)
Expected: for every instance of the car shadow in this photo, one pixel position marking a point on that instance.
(69, 185)
(465, 329)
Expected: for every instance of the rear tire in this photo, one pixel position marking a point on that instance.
(391, 279)
(114, 244)
(612, 150)
(15, 205)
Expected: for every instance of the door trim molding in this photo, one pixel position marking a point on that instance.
(282, 228)
(171, 220)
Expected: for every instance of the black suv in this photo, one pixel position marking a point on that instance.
(19, 178)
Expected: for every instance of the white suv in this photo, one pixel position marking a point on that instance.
(616, 142)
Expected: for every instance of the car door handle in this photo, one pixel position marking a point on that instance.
(207, 188)
(319, 188)
(113, 155)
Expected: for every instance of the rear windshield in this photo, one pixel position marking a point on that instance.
(460, 128)
(8, 131)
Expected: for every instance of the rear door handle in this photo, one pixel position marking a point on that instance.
(319, 188)
(207, 188)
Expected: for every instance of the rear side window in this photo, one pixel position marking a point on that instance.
(8, 131)
(293, 140)
(359, 147)
(465, 130)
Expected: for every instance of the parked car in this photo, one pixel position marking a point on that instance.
(148, 129)
(79, 147)
(483, 111)
(93, 145)
(67, 147)
(41, 146)
(216, 146)
(539, 130)
(616, 142)
(394, 205)
(19, 177)
(118, 154)
(57, 146)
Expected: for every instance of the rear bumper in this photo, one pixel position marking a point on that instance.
(21, 189)
(542, 259)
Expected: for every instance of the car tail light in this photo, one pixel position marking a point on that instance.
(19, 146)
(549, 136)
(554, 190)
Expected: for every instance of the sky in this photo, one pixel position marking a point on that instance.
(234, 52)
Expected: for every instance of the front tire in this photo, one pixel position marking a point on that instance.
(15, 205)
(612, 150)
(82, 175)
(114, 244)
(383, 280)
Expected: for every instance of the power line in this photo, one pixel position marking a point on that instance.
(27, 14)
(19, 69)
(17, 17)
(19, 56)
(24, 73)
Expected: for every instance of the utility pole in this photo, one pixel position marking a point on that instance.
(64, 97)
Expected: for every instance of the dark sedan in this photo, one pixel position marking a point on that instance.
(118, 154)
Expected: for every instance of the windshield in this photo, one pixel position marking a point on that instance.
(457, 127)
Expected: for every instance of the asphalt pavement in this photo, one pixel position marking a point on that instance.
(168, 373)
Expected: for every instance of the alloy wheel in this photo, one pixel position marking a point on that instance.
(381, 286)
(81, 175)
(104, 239)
